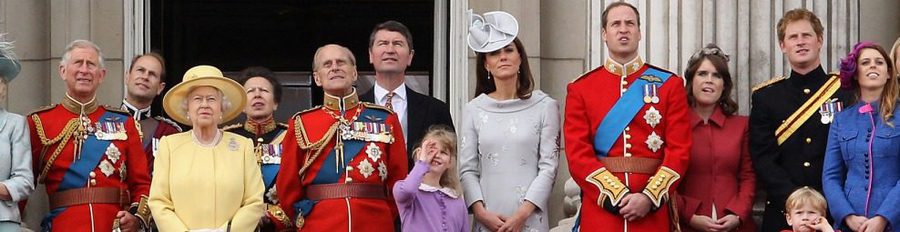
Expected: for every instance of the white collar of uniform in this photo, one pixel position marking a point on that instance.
(381, 93)
(428, 188)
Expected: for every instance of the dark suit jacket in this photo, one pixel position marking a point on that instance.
(422, 112)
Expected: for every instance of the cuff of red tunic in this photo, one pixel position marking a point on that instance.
(141, 210)
(609, 185)
(658, 186)
(278, 217)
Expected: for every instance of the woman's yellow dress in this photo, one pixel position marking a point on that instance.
(198, 187)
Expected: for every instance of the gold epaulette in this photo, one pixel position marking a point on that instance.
(117, 110)
(170, 122)
(610, 186)
(586, 74)
(834, 74)
(232, 126)
(42, 109)
(768, 82)
(658, 185)
(376, 106)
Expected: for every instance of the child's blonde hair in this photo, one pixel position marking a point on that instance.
(445, 137)
(806, 196)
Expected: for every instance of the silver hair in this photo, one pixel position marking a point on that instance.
(315, 64)
(81, 44)
(226, 104)
(6, 48)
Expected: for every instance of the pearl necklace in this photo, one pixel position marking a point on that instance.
(211, 144)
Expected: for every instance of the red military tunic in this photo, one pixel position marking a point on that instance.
(121, 165)
(311, 143)
(589, 100)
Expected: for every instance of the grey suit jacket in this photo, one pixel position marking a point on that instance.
(15, 163)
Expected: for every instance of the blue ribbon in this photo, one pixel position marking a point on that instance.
(269, 172)
(623, 112)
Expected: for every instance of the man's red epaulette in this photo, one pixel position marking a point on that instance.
(118, 110)
(661, 69)
(42, 109)
(376, 106)
(588, 73)
(169, 121)
(311, 109)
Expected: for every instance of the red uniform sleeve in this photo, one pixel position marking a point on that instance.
(138, 174)
(397, 161)
(36, 146)
(287, 182)
(578, 142)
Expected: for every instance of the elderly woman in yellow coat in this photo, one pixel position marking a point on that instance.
(206, 179)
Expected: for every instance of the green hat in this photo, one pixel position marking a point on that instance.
(9, 64)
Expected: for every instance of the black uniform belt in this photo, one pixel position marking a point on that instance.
(332, 191)
(631, 164)
(81, 196)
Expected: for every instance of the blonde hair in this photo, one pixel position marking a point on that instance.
(446, 139)
(806, 196)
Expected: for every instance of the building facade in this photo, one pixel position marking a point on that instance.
(562, 38)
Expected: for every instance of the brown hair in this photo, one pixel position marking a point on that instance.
(394, 26)
(447, 139)
(891, 89)
(712, 53)
(483, 84)
(806, 196)
(158, 57)
(894, 50)
(265, 73)
(797, 15)
(603, 17)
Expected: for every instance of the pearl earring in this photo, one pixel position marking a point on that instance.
(489, 74)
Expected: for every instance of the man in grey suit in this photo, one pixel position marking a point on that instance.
(391, 52)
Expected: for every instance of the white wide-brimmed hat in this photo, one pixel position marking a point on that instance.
(9, 64)
(492, 31)
(204, 75)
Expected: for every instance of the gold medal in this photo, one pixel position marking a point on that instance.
(647, 99)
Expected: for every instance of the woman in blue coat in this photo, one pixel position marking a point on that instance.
(861, 176)
(15, 148)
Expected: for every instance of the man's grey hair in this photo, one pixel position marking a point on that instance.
(226, 104)
(315, 65)
(83, 44)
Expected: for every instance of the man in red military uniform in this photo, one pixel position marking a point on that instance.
(89, 156)
(627, 134)
(144, 81)
(341, 160)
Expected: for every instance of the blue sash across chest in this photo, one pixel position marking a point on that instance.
(621, 114)
(92, 151)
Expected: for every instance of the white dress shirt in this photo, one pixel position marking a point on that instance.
(398, 103)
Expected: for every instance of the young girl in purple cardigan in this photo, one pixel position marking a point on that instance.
(429, 198)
